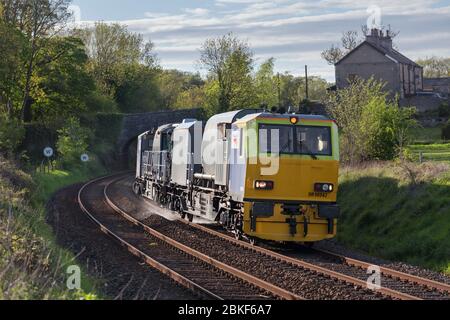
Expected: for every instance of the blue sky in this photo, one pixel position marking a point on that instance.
(293, 32)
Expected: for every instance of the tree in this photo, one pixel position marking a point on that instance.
(372, 126)
(194, 97)
(12, 134)
(62, 84)
(38, 20)
(72, 142)
(112, 50)
(140, 91)
(435, 67)
(13, 51)
(266, 84)
(349, 41)
(293, 89)
(230, 63)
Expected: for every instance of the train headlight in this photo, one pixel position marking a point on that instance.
(294, 120)
(264, 185)
(324, 187)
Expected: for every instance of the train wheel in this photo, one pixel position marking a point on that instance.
(183, 215)
(190, 218)
(237, 235)
(252, 241)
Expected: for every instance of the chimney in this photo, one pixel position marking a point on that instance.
(378, 38)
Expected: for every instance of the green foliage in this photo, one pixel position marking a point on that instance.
(385, 215)
(12, 134)
(72, 142)
(266, 84)
(140, 92)
(112, 49)
(13, 50)
(446, 131)
(229, 62)
(62, 83)
(444, 110)
(32, 266)
(194, 97)
(423, 135)
(293, 90)
(180, 89)
(372, 126)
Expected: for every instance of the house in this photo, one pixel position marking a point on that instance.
(377, 58)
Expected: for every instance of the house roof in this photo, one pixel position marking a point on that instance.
(392, 54)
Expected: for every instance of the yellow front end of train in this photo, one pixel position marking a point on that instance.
(290, 190)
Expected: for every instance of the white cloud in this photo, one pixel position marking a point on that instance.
(197, 11)
(294, 32)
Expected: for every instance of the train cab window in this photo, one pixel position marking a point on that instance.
(304, 140)
(276, 139)
(314, 141)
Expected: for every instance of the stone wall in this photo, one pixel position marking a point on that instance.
(134, 125)
(422, 103)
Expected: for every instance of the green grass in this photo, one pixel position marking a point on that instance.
(40, 264)
(386, 215)
(429, 143)
(431, 152)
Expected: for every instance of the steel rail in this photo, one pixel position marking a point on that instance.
(180, 279)
(264, 285)
(302, 264)
(431, 284)
(321, 270)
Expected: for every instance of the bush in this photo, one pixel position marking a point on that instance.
(446, 131)
(372, 126)
(444, 110)
(12, 134)
(72, 142)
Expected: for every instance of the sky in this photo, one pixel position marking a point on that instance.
(293, 32)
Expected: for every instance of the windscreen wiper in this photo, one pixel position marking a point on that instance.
(304, 146)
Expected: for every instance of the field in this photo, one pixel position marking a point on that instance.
(428, 142)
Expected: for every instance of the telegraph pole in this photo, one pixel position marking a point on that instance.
(307, 84)
(279, 89)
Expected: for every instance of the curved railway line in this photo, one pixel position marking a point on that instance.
(194, 256)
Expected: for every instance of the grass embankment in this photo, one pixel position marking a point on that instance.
(387, 215)
(32, 265)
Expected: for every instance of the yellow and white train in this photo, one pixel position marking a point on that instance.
(262, 175)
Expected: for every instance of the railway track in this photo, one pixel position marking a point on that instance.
(395, 284)
(209, 278)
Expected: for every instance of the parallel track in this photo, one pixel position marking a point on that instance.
(404, 294)
(181, 263)
(410, 278)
